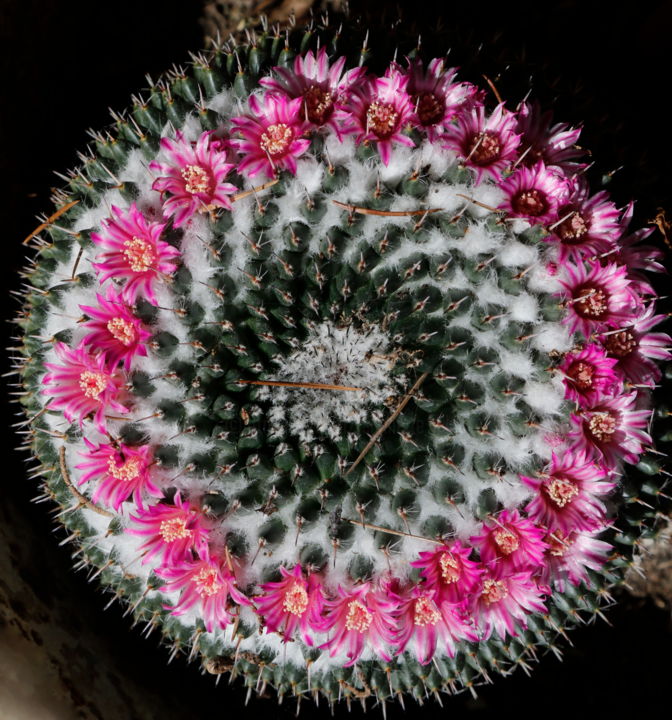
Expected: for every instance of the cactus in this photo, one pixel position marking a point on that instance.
(339, 378)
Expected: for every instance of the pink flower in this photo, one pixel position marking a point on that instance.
(206, 583)
(597, 297)
(567, 496)
(378, 111)
(115, 331)
(510, 543)
(271, 137)
(541, 140)
(486, 145)
(292, 603)
(588, 374)
(324, 89)
(587, 227)
(534, 193)
(436, 98)
(172, 531)
(359, 617)
(611, 429)
(193, 177)
(636, 349)
(449, 571)
(133, 251)
(570, 555)
(83, 385)
(119, 471)
(505, 600)
(425, 623)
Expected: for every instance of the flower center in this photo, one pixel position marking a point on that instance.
(581, 374)
(573, 229)
(140, 254)
(602, 426)
(531, 203)
(381, 119)
(122, 330)
(425, 612)
(484, 148)
(127, 471)
(561, 491)
(196, 179)
(206, 582)
(558, 544)
(92, 383)
(449, 568)
(358, 617)
(493, 591)
(174, 529)
(506, 541)
(591, 303)
(276, 139)
(318, 104)
(430, 109)
(620, 344)
(296, 599)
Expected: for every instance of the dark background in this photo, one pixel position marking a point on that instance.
(64, 64)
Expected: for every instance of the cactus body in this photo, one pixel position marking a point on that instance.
(338, 377)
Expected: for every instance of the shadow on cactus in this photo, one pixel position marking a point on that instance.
(338, 377)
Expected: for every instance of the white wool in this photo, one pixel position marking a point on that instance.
(446, 197)
(488, 194)
(523, 308)
(516, 364)
(309, 173)
(478, 240)
(552, 336)
(438, 159)
(540, 280)
(516, 254)
(92, 217)
(519, 225)
(223, 103)
(545, 397)
(401, 165)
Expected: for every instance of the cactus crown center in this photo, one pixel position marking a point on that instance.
(92, 384)
(140, 254)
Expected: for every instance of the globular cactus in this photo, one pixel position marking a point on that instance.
(339, 377)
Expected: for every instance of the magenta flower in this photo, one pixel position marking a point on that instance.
(542, 140)
(567, 497)
(587, 226)
(292, 603)
(193, 177)
(588, 374)
(510, 543)
(534, 193)
(435, 97)
(449, 571)
(119, 471)
(379, 110)
(486, 145)
(636, 349)
(115, 331)
(612, 429)
(596, 296)
(206, 583)
(271, 137)
(172, 531)
(324, 89)
(506, 600)
(426, 623)
(571, 555)
(360, 617)
(133, 251)
(83, 386)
